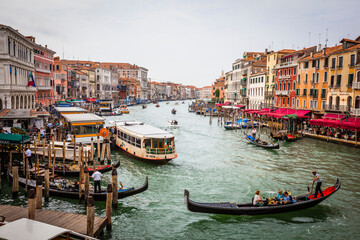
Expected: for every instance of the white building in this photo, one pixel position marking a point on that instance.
(16, 65)
(103, 83)
(256, 90)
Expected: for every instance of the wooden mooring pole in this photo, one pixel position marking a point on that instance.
(87, 184)
(90, 214)
(63, 151)
(114, 186)
(15, 187)
(31, 204)
(39, 182)
(108, 206)
(47, 183)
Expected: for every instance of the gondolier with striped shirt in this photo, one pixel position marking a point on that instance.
(318, 181)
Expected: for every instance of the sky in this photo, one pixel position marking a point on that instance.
(188, 42)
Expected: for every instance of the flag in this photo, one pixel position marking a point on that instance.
(118, 87)
(31, 81)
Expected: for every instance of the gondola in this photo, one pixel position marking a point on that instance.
(102, 169)
(143, 106)
(261, 143)
(54, 190)
(276, 136)
(292, 138)
(303, 201)
(173, 111)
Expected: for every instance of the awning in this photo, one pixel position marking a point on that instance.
(13, 139)
(240, 106)
(325, 122)
(334, 116)
(290, 116)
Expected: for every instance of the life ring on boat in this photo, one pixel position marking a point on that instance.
(104, 132)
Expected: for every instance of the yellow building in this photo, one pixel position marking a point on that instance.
(271, 61)
(343, 91)
(313, 80)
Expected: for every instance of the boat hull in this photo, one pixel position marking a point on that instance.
(149, 160)
(231, 208)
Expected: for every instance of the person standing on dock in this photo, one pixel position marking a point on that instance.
(318, 181)
(97, 177)
(28, 156)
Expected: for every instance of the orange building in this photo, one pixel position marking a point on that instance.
(313, 80)
(219, 84)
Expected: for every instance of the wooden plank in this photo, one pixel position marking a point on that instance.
(71, 221)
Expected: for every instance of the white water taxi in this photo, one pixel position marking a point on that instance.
(173, 124)
(145, 142)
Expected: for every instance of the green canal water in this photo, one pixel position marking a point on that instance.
(219, 165)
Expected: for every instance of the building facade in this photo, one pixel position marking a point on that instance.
(16, 67)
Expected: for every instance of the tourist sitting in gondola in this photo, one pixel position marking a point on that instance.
(278, 198)
(286, 199)
(258, 199)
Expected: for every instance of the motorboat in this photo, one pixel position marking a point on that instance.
(173, 124)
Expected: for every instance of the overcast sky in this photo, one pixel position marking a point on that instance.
(187, 42)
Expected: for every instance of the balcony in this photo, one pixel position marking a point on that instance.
(340, 108)
(243, 82)
(44, 88)
(286, 64)
(356, 85)
(315, 95)
(355, 111)
(351, 65)
(269, 93)
(337, 86)
(340, 67)
(42, 70)
(282, 92)
(332, 67)
(287, 77)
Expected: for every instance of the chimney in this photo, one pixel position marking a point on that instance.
(266, 51)
(319, 47)
(311, 54)
(323, 51)
(45, 46)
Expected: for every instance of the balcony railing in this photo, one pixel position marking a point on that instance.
(355, 111)
(337, 86)
(282, 92)
(269, 93)
(42, 70)
(323, 96)
(341, 108)
(285, 64)
(284, 77)
(340, 66)
(332, 67)
(44, 88)
(356, 85)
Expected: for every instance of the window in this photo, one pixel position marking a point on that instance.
(317, 77)
(306, 78)
(9, 45)
(313, 77)
(315, 103)
(304, 103)
(323, 104)
(323, 93)
(350, 80)
(338, 80)
(313, 63)
(340, 62)
(288, 87)
(57, 67)
(288, 100)
(294, 86)
(306, 64)
(352, 60)
(333, 61)
(325, 77)
(332, 81)
(299, 78)
(326, 62)
(294, 71)
(311, 103)
(283, 101)
(280, 72)
(289, 71)
(304, 91)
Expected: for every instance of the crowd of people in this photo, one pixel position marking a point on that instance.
(334, 132)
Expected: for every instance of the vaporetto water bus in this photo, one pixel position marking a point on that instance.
(144, 142)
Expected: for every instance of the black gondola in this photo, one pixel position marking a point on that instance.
(102, 169)
(143, 106)
(173, 111)
(292, 138)
(74, 193)
(261, 143)
(276, 136)
(302, 202)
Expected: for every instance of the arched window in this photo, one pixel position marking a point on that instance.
(337, 103)
(330, 101)
(357, 102)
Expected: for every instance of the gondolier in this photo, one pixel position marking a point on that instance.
(97, 177)
(253, 132)
(28, 157)
(318, 181)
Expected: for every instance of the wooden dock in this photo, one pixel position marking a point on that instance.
(333, 139)
(71, 221)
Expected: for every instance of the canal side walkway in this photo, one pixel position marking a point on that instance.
(332, 139)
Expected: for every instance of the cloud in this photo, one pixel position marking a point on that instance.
(188, 42)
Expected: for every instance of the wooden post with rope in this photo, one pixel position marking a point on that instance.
(92, 151)
(87, 184)
(98, 146)
(108, 206)
(74, 147)
(27, 174)
(47, 183)
(31, 204)
(115, 187)
(39, 182)
(90, 216)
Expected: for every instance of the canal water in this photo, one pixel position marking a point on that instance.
(219, 165)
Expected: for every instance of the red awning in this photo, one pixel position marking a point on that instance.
(240, 106)
(334, 116)
(227, 103)
(326, 122)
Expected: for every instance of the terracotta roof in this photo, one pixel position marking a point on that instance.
(286, 51)
(328, 51)
(357, 46)
(260, 63)
(349, 40)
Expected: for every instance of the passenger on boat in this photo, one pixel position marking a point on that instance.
(258, 199)
(278, 198)
(286, 199)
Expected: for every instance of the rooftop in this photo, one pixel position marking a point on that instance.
(70, 109)
(83, 118)
(139, 129)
